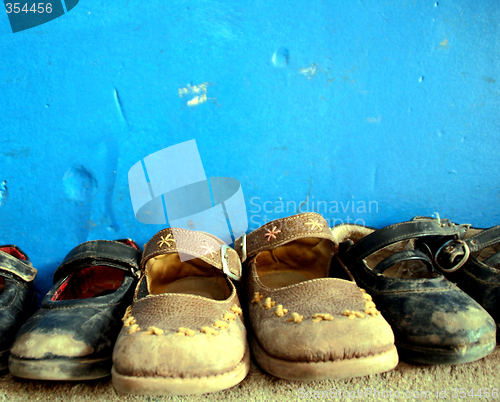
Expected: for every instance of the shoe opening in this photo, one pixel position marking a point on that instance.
(295, 262)
(403, 270)
(90, 282)
(14, 251)
(168, 274)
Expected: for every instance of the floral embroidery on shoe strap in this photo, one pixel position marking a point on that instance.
(133, 329)
(321, 317)
(268, 303)
(257, 297)
(209, 331)
(236, 310)
(314, 224)
(182, 331)
(280, 311)
(296, 318)
(154, 331)
(209, 249)
(166, 240)
(272, 233)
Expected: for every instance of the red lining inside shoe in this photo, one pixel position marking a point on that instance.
(90, 282)
(128, 242)
(13, 252)
(2, 284)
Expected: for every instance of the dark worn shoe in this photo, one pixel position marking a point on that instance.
(434, 322)
(72, 336)
(17, 296)
(473, 263)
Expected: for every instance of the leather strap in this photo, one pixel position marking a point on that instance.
(14, 267)
(200, 245)
(414, 229)
(475, 243)
(100, 252)
(401, 256)
(281, 231)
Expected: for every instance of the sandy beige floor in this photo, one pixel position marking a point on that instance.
(423, 382)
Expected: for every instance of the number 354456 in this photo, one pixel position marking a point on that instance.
(35, 8)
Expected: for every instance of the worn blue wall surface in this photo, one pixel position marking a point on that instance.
(379, 110)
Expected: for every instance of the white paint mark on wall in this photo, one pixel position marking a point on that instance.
(198, 93)
(377, 119)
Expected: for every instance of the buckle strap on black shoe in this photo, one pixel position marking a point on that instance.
(115, 254)
(414, 229)
(455, 253)
(16, 268)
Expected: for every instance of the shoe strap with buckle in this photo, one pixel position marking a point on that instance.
(281, 231)
(200, 245)
(13, 267)
(417, 228)
(93, 253)
(454, 254)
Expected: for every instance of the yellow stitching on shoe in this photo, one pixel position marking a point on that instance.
(129, 321)
(221, 324)
(321, 317)
(154, 331)
(229, 317)
(209, 331)
(351, 317)
(347, 312)
(182, 331)
(236, 310)
(268, 303)
(359, 314)
(128, 313)
(133, 329)
(369, 304)
(296, 318)
(257, 297)
(367, 297)
(353, 314)
(280, 311)
(372, 311)
(362, 290)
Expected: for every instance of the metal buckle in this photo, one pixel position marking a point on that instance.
(461, 262)
(225, 268)
(243, 248)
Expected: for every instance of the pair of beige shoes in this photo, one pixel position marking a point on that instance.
(185, 334)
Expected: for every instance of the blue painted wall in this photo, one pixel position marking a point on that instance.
(392, 107)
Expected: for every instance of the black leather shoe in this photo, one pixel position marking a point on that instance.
(434, 322)
(72, 336)
(17, 296)
(473, 263)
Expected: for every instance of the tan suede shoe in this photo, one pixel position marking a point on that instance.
(184, 333)
(306, 325)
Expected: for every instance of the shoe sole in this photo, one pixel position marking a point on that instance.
(60, 369)
(310, 371)
(180, 386)
(421, 355)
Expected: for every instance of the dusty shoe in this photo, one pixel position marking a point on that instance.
(17, 296)
(184, 333)
(72, 336)
(473, 263)
(434, 321)
(305, 324)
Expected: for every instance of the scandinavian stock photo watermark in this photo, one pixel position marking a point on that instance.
(352, 211)
(369, 393)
